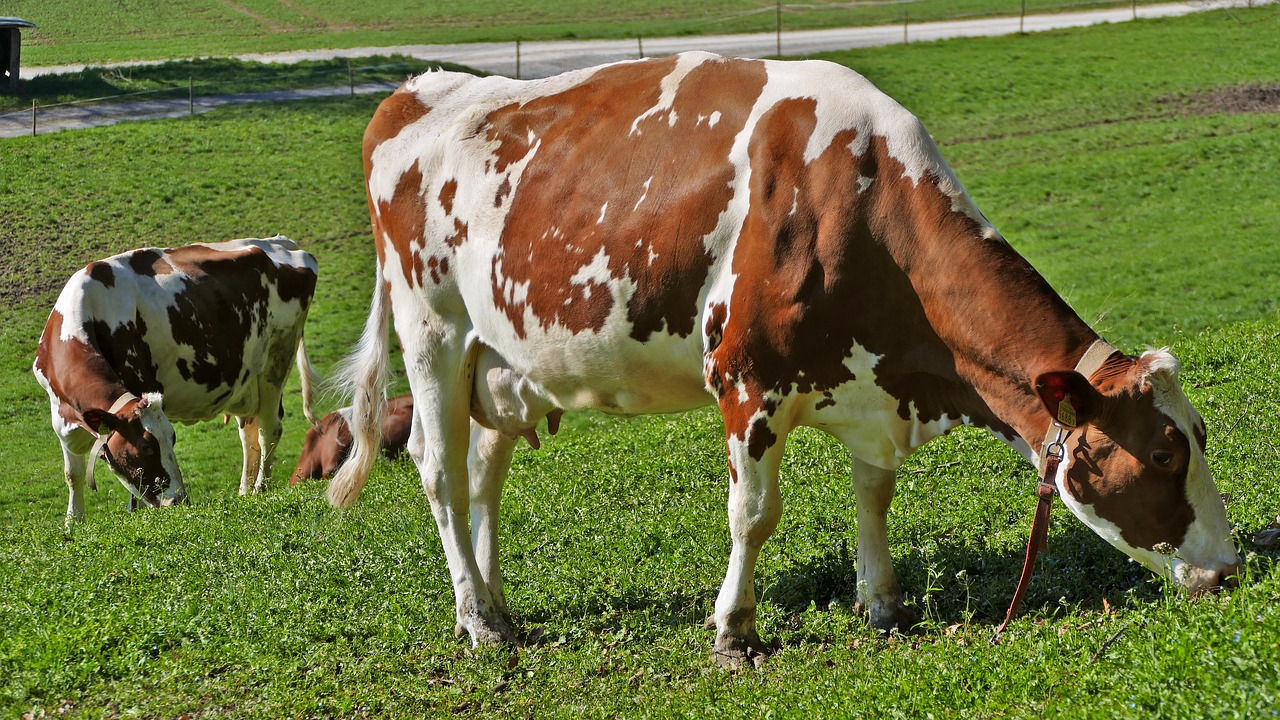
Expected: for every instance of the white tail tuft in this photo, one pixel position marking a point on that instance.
(309, 377)
(362, 376)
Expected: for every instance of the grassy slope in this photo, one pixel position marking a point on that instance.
(87, 31)
(276, 606)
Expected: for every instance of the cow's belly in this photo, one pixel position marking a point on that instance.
(866, 418)
(605, 372)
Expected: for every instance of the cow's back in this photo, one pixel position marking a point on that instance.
(594, 225)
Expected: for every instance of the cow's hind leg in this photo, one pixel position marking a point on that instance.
(755, 506)
(270, 428)
(251, 443)
(488, 462)
(439, 370)
(878, 592)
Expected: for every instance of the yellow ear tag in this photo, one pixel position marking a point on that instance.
(1066, 413)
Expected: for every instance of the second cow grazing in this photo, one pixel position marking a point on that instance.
(779, 239)
(140, 340)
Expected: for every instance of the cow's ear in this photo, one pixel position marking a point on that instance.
(1069, 397)
(99, 421)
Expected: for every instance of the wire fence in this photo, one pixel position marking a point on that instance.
(250, 84)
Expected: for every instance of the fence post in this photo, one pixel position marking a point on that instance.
(351, 78)
(517, 58)
(1022, 16)
(778, 26)
(191, 93)
(1134, 4)
(640, 46)
(906, 18)
(33, 117)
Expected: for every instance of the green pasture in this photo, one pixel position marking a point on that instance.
(1154, 214)
(89, 31)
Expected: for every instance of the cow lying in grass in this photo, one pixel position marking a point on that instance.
(778, 238)
(152, 336)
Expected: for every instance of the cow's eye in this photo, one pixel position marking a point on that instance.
(1162, 458)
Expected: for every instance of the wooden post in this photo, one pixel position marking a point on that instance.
(191, 93)
(640, 46)
(1134, 4)
(351, 78)
(778, 27)
(906, 18)
(1022, 16)
(33, 117)
(517, 58)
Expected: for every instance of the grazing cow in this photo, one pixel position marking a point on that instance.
(502, 401)
(329, 440)
(778, 238)
(151, 336)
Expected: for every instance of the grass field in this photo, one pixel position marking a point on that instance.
(90, 31)
(1157, 220)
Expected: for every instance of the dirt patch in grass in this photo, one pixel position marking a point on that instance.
(1260, 98)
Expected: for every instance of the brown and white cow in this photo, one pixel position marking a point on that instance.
(778, 238)
(152, 336)
(329, 441)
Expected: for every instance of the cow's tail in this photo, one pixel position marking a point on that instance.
(310, 379)
(363, 376)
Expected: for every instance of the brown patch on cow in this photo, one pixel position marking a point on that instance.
(603, 210)
(79, 375)
(148, 262)
(397, 112)
(102, 273)
(503, 191)
(459, 235)
(824, 265)
(1111, 470)
(447, 192)
(400, 110)
(402, 219)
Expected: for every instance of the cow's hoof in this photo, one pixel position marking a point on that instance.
(499, 630)
(889, 617)
(739, 651)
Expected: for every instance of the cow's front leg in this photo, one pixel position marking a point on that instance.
(74, 469)
(878, 592)
(755, 505)
(489, 461)
(439, 443)
(251, 444)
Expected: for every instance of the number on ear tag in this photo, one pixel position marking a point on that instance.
(1066, 411)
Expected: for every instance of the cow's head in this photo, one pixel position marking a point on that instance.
(1134, 468)
(137, 443)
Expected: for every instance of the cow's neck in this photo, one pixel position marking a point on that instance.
(1001, 321)
(78, 372)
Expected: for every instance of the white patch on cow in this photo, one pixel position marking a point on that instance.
(1208, 541)
(714, 119)
(685, 63)
(795, 201)
(864, 182)
(603, 209)
(597, 271)
(644, 194)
